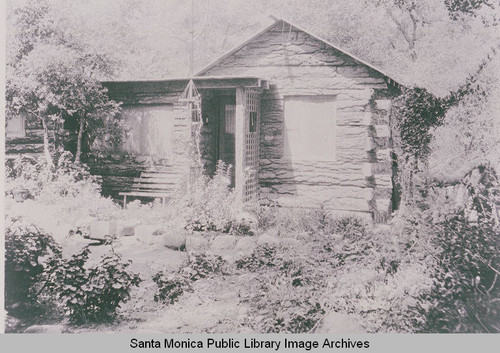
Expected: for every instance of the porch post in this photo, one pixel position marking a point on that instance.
(239, 143)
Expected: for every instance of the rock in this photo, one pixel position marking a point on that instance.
(223, 242)
(196, 243)
(175, 240)
(100, 229)
(12, 324)
(44, 329)
(126, 228)
(267, 239)
(147, 230)
(335, 322)
(245, 246)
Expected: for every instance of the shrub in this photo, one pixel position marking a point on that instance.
(466, 291)
(25, 245)
(68, 180)
(26, 172)
(172, 286)
(209, 204)
(94, 294)
(285, 293)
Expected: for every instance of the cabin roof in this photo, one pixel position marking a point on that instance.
(179, 83)
(230, 52)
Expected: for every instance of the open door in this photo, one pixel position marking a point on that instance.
(227, 132)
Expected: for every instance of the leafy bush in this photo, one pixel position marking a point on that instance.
(209, 204)
(285, 294)
(466, 291)
(94, 294)
(68, 179)
(26, 172)
(25, 245)
(172, 286)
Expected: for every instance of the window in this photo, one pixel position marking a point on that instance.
(309, 127)
(149, 129)
(16, 126)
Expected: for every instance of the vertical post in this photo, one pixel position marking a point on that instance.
(191, 51)
(239, 143)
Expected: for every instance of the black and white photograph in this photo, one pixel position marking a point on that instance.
(252, 167)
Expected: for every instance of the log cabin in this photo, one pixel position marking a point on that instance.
(303, 123)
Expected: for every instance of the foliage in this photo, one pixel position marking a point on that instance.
(25, 172)
(209, 204)
(90, 294)
(54, 79)
(466, 291)
(285, 294)
(469, 135)
(172, 286)
(459, 8)
(25, 246)
(416, 113)
(66, 180)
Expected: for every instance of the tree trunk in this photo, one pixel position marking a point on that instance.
(46, 146)
(79, 141)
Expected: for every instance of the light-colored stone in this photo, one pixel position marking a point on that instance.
(126, 228)
(101, 229)
(334, 322)
(175, 240)
(147, 230)
(197, 243)
(223, 243)
(246, 245)
(44, 329)
(267, 238)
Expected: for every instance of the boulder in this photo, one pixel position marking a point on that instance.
(147, 230)
(126, 228)
(335, 322)
(245, 246)
(223, 242)
(44, 329)
(100, 229)
(12, 324)
(267, 238)
(175, 240)
(197, 243)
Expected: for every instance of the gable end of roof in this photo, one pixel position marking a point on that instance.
(389, 80)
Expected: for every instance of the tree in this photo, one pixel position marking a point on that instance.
(54, 77)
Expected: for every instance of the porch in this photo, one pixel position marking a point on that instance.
(230, 113)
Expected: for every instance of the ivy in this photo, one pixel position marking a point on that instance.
(417, 112)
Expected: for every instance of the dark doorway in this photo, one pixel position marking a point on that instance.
(227, 131)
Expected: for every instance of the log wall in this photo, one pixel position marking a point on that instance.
(295, 63)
